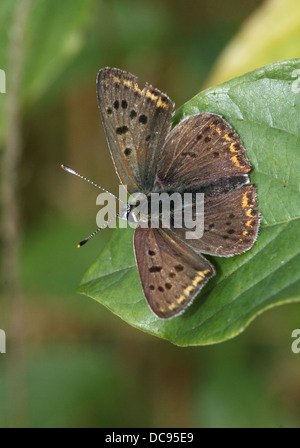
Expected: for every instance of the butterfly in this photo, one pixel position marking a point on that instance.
(201, 154)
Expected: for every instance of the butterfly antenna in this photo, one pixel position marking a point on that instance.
(70, 170)
(96, 231)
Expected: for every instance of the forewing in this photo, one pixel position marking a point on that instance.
(199, 151)
(136, 122)
(171, 273)
(230, 223)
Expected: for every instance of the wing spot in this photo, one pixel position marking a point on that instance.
(168, 286)
(231, 231)
(127, 151)
(116, 104)
(151, 96)
(124, 104)
(138, 91)
(148, 138)
(181, 299)
(199, 136)
(162, 103)
(161, 289)
(172, 274)
(155, 269)
(127, 83)
(133, 114)
(188, 290)
(233, 148)
(207, 139)
(251, 213)
(231, 216)
(173, 306)
(143, 119)
(109, 110)
(122, 130)
(250, 223)
(237, 162)
(179, 267)
(151, 253)
(216, 154)
(247, 198)
(152, 287)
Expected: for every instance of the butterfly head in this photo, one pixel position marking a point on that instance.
(136, 210)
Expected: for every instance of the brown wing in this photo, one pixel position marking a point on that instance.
(199, 151)
(136, 122)
(230, 223)
(171, 273)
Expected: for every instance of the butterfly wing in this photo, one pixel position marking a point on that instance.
(171, 273)
(204, 154)
(199, 151)
(230, 223)
(136, 123)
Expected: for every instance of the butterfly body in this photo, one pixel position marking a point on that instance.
(202, 154)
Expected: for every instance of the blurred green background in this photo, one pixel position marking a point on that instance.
(69, 361)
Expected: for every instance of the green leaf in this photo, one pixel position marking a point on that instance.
(264, 108)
